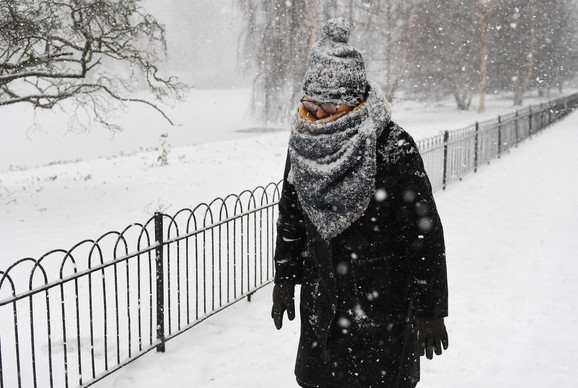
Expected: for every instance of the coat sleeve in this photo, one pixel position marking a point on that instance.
(422, 233)
(291, 234)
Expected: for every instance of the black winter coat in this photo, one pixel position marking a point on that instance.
(361, 291)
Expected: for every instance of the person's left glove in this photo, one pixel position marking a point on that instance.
(283, 299)
(432, 335)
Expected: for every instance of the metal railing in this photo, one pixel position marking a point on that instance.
(74, 316)
(451, 155)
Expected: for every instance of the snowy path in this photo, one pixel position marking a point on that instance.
(512, 243)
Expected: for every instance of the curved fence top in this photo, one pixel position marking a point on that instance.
(30, 275)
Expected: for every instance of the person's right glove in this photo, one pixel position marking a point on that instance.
(432, 335)
(283, 299)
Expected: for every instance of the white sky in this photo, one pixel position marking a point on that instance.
(202, 37)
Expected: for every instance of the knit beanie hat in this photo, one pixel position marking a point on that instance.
(336, 71)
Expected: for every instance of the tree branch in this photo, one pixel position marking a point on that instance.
(50, 47)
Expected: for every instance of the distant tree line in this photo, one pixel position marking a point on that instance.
(416, 48)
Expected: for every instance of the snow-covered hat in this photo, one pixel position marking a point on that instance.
(336, 70)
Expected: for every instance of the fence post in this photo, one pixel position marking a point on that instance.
(516, 124)
(160, 276)
(1, 374)
(499, 136)
(530, 123)
(445, 177)
(476, 151)
(541, 116)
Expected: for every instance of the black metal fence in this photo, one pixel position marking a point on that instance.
(452, 154)
(74, 316)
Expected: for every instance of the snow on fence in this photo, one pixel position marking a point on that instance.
(74, 316)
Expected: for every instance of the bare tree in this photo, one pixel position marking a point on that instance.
(423, 48)
(558, 46)
(94, 52)
(446, 52)
(534, 46)
(276, 43)
(485, 12)
(387, 29)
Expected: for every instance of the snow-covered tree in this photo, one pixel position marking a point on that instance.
(94, 52)
(387, 29)
(424, 48)
(447, 52)
(275, 46)
(534, 46)
(557, 44)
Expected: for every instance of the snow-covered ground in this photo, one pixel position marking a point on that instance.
(510, 232)
(218, 149)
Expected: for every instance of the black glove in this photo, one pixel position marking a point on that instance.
(283, 299)
(432, 334)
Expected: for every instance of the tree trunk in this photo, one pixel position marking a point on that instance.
(351, 10)
(388, 46)
(311, 22)
(525, 81)
(485, 19)
(462, 93)
(463, 99)
(392, 85)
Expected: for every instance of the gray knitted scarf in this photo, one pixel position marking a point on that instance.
(333, 163)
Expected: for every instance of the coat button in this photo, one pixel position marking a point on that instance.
(327, 242)
(333, 307)
(331, 275)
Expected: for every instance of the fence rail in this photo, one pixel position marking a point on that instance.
(74, 316)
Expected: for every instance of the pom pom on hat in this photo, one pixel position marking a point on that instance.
(337, 30)
(336, 71)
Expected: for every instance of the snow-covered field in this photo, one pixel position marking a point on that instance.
(510, 232)
(218, 149)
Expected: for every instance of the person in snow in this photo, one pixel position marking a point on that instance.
(358, 228)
